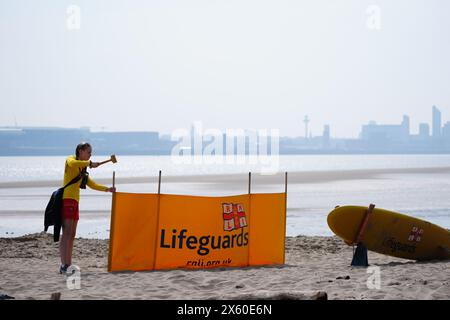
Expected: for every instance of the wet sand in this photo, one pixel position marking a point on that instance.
(278, 179)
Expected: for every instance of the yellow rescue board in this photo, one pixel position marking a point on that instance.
(392, 233)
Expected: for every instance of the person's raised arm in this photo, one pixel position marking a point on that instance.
(74, 163)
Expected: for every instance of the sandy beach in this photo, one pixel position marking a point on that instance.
(316, 267)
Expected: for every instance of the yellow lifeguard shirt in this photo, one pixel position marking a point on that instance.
(72, 169)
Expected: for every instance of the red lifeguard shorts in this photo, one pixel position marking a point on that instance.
(70, 209)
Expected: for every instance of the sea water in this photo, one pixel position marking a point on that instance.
(423, 195)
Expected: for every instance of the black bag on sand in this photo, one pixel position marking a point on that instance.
(52, 216)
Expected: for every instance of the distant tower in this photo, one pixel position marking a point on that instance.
(306, 121)
(326, 131)
(405, 128)
(424, 131)
(405, 124)
(436, 122)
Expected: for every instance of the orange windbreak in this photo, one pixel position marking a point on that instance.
(151, 231)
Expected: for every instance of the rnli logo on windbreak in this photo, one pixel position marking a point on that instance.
(233, 216)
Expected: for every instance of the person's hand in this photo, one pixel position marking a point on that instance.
(94, 164)
(112, 189)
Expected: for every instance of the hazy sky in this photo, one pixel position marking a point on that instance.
(161, 65)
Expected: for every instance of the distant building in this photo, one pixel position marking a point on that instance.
(446, 131)
(41, 140)
(381, 134)
(63, 141)
(326, 136)
(405, 126)
(436, 123)
(424, 131)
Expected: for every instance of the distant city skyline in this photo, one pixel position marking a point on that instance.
(162, 65)
(436, 124)
(198, 140)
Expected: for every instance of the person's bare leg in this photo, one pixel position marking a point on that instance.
(65, 242)
(62, 245)
(70, 240)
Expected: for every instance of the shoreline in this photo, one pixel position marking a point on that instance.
(313, 265)
(296, 177)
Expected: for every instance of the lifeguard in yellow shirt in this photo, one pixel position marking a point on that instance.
(75, 165)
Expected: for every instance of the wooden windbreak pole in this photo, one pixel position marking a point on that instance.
(112, 223)
(159, 182)
(249, 217)
(285, 212)
(285, 182)
(157, 219)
